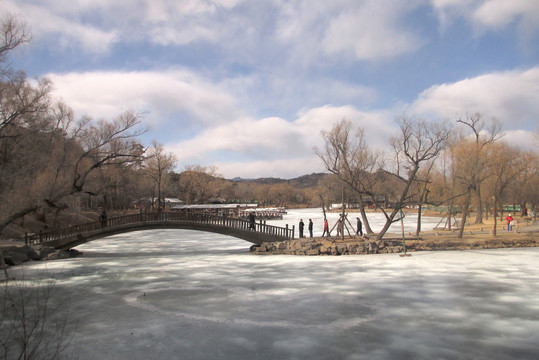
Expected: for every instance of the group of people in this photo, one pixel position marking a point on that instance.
(302, 226)
(340, 225)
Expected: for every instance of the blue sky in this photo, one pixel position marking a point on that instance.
(248, 85)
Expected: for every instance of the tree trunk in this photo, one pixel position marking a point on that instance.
(450, 216)
(18, 215)
(366, 224)
(323, 206)
(495, 217)
(422, 200)
(479, 203)
(418, 229)
(159, 194)
(464, 215)
(388, 223)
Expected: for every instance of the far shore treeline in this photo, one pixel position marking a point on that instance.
(55, 163)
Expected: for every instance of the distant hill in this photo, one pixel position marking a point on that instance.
(308, 181)
(302, 182)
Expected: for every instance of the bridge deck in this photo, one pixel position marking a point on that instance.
(240, 228)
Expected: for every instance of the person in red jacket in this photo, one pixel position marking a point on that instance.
(509, 220)
(326, 228)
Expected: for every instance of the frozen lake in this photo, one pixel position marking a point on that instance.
(179, 294)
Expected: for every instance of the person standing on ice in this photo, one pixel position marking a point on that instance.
(301, 226)
(359, 227)
(326, 228)
(311, 227)
(339, 227)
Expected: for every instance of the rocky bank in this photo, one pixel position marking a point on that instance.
(14, 253)
(367, 246)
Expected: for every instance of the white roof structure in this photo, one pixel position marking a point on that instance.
(212, 206)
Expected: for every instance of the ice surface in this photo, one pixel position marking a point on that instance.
(178, 294)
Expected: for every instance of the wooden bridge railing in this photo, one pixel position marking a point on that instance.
(159, 217)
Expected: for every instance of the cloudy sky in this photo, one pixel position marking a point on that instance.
(247, 85)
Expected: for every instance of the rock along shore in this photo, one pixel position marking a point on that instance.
(320, 246)
(14, 253)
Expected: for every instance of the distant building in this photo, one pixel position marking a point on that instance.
(368, 201)
(228, 209)
(148, 204)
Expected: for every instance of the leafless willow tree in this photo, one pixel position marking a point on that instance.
(507, 163)
(194, 183)
(46, 155)
(417, 144)
(473, 164)
(348, 157)
(158, 164)
(14, 32)
(67, 156)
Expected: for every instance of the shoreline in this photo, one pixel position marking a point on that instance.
(475, 237)
(387, 246)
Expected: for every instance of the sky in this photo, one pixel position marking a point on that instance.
(247, 86)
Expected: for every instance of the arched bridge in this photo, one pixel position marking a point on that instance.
(72, 236)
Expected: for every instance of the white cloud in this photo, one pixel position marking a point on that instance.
(264, 138)
(180, 105)
(273, 146)
(511, 96)
(490, 14)
(283, 93)
(368, 30)
(95, 26)
(157, 94)
(525, 140)
(371, 31)
(500, 13)
(378, 125)
(68, 30)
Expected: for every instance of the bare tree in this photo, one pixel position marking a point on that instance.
(194, 182)
(417, 143)
(422, 190)
(73, 154)
(21, 104)
(14, 32)
(35, 321)
(158, 165)
(348, 157)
